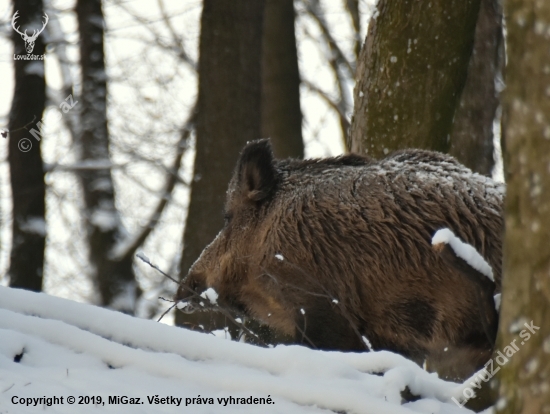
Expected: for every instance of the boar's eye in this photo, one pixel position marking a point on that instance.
(227, 218)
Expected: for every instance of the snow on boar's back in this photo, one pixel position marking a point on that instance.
(337, 253)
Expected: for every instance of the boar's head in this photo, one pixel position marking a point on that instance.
(232, 263)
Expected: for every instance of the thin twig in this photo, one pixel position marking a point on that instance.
(25, 127)
(166, 311)
(145, 259)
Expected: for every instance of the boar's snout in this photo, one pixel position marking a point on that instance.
(189, 292)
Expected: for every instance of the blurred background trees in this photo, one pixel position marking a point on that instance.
(125, 139)
(113, 276)
(164, 104)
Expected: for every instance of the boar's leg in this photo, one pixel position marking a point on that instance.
(484, 290)
(457, 363)
(322, 325)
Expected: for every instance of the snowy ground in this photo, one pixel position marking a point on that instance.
(52, 347)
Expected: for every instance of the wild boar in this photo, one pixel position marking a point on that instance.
(337, 253)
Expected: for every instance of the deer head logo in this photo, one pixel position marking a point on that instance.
(29, 40)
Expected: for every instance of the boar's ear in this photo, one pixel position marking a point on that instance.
(256, 174)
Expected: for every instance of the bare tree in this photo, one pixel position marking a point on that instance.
(526, 286)
(228, 115)
(25, 159)
(143, 130)
(281, 113)
(342, 67)
(410, 75)
(114, 276)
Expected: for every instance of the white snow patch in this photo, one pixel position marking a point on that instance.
(498, 299)
(279, 257)
(74, 349)
(34, 225)
(367, 343)
(517, 325)
(532, 366)
(99, 164)
(103, 184)
(35, 68)
(211, 295)
(143, 257)
(126, 299)
(106, 220)
(222, 333)
(501, 404)
(464, 251)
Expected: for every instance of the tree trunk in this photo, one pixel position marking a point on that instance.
(115, 279)
(524, 386)
(228, 115)
(472, 133)
(281, 113)
(410, 75)
(25, 160)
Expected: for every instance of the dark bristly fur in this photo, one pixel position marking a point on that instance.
(355, 239)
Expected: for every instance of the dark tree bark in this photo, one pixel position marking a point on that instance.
(410, 75)
(228, 115)
(115, 278)
(523, 379)
(25, 159)
(472, 133)
(281, 113)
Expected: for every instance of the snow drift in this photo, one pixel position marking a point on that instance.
(52, 347)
